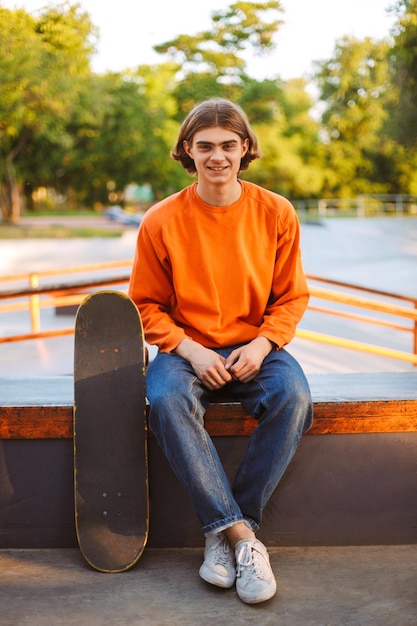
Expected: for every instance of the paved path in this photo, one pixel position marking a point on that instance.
(340, 586)
(336, 586)
(380, 253)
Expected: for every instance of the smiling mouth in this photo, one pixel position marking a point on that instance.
(218, 169)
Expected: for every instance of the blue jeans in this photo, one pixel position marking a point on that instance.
(278, 398)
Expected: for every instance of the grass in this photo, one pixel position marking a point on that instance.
(14, 231)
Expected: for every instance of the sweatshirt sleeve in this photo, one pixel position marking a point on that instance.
(151, 288)
(289, 294)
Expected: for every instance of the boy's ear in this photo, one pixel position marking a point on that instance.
(187, 148)
(245, 146)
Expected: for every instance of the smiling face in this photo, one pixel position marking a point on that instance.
(217, 154)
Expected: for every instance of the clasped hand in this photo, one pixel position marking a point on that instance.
(243, 363)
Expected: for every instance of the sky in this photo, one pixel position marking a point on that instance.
(128, 30)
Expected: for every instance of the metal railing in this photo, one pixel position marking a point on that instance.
(367, 205)
(394, 311)
(69, 294)
(384, 303)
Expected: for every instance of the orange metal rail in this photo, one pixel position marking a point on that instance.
(34, 297)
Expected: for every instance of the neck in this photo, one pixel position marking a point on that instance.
(219, 195)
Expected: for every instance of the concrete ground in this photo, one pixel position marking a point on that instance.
(380, 253)
(320, 586)
(317, 586)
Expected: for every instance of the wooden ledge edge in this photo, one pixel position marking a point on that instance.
(228, 419)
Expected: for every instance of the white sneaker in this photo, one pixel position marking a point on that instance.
(219, 566)
(255, 580)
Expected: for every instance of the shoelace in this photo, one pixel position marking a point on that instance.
(223, 552)
(248, 560)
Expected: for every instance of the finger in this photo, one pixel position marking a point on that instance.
(232, 359)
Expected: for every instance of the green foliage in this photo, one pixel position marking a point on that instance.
(403, 57)
(217, 52)
(289, 140)
(246, 23)
(354, 87)
(41, 62)
(88, 135)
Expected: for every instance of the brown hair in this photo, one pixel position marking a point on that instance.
(209, 114)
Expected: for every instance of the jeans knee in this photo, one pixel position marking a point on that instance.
(295, 402)
(302, 395)
(174, 404)
(304, 405)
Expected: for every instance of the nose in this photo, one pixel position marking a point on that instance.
(217, 154)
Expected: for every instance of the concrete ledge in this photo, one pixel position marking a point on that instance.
(354, 484)
(41, 408)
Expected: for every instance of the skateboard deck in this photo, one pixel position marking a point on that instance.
(110, 443)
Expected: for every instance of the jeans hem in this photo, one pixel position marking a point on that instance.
(222, 525)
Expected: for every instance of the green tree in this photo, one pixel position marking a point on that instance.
(218, 51)
(126, 138)
(212, 62)
(402, 109)
(354, 87)
(289, 138)
(41, 61)
(403, 57)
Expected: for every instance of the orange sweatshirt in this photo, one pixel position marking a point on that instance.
(219, 275)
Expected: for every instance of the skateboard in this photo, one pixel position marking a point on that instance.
(110, 437)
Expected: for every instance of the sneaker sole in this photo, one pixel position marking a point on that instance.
(262, 597)
(213, 579)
